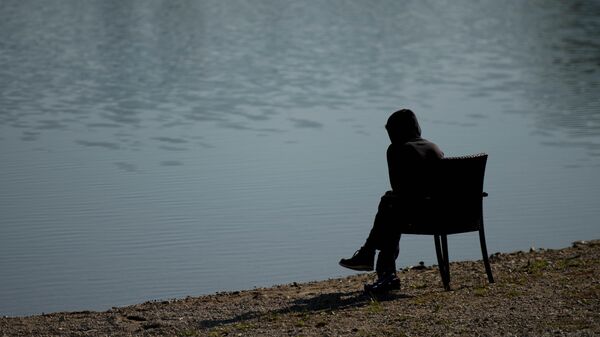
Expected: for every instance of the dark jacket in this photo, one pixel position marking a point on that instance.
(409, 157)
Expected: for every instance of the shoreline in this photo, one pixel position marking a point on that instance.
(544, 292)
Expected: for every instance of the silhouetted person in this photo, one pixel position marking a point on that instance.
(409, 159)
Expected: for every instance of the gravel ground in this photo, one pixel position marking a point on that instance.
(537, 293)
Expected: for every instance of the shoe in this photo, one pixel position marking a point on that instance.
(361, 260)
(384, 284)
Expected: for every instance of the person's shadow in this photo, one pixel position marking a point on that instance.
(327, 301)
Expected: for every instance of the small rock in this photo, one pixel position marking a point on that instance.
(420, 266)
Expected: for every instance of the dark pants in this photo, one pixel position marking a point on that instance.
(385, 234)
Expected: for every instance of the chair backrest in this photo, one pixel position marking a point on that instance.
(456, 197)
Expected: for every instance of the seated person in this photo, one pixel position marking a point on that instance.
(409, 159)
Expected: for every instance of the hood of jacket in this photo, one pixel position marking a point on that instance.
(402, 127)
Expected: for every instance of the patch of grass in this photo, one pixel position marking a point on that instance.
(536, 267)
(303, 318)
(189, 333)
(243, 326)
(424, 299)
(480, 291)
(419, 300)
(300, 323)
(375, 307)
(270, 317)
(516, 280)
(568, 263)
(217, 333)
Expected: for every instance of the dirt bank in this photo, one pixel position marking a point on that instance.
(537, 293)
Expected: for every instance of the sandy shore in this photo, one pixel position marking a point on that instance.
(537, 293)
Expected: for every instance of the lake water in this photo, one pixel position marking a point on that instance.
(159, 149)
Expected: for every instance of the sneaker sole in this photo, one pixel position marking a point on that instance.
(394, 286)
(370, 291)
(362, 267)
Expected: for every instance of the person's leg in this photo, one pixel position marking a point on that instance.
(385, 235)
(387, 279)
(386, 260)
(364, 257)
(391, 218)
(382, 226)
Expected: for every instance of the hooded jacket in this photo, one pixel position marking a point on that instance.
(409, 156)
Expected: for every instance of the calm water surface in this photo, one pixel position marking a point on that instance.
(158, 149)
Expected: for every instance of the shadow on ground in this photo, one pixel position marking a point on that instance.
(320, 302)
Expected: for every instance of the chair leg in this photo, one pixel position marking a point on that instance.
(438, 253)
(442, 263)
(446, 260)
(486, 261)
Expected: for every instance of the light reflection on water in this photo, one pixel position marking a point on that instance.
(158, 149)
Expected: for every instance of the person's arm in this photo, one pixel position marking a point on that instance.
(401, 161)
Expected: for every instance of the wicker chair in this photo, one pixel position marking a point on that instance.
(455, 206)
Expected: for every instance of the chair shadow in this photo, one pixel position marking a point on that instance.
(327, 301)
